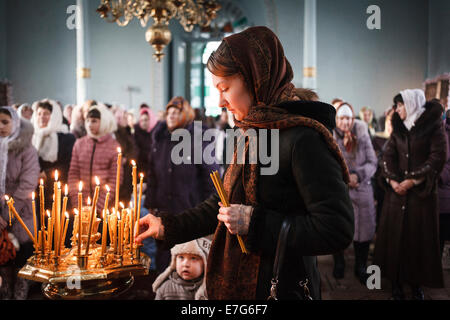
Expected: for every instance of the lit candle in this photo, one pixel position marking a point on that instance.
(119, 165)
(93, 208)
(104, 234)
(80, 202)
(42, 204)
(33, 205)
(58, 230)
(10, 203)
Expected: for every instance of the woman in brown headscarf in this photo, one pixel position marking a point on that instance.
(309, 188)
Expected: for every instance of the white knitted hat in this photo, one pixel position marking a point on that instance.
(199, 247)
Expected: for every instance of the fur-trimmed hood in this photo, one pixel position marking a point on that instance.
(24, 138)
(426, 123)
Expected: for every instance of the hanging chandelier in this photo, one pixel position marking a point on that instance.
(188, 12)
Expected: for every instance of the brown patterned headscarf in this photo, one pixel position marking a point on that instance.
(186, 112)
(268, 74)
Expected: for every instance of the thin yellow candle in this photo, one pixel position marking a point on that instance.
(141, 182)
(119, 165)
(40, 242)
(33, 205)
(66, 224)
(50, 232)
(42, 204)
(104, 233)
(107, 197)
(10, 203)
(119, 235)
(66, 198)
(134, 176)
(80, 202)
(58, 232)
(93, 208)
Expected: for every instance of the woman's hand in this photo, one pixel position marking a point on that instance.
(398, 188)
(149, 226)
(353, 181)
(236, 218)
(407, 184)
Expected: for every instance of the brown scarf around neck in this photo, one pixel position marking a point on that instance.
(257, 51)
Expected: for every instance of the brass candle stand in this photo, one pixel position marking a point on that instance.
(72, 276)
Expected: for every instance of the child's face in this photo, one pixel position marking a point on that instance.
(189, 266)
(93, 125)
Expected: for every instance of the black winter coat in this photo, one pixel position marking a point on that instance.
(308, 187)
(407, 246)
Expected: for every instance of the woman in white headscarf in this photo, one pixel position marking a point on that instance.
(407, 248)
(53, 142)
(19, 170)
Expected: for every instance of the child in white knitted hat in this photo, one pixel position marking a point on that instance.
(184, 278)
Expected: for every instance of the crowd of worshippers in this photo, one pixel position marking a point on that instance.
(399, 176)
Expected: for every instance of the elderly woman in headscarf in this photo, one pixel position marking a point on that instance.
(173, 186)
(307, 192)
(95, 155)
(19, 171)
(354, 141)
(407, 246)
(53, 142)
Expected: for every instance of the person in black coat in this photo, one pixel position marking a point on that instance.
(304, 183)
(173, 187)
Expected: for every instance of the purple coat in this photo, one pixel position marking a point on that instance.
(363, 163)
(174, 188)
(21, 180)
(444, 180)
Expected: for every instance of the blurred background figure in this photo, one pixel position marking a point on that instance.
(54, 143)
(79, 113)
(444, 192)
(171, 187)
(19, 171)
(354, 141)
(67, 112)
(407, 245)
(25, 111)
(125, 138)
(367, 115)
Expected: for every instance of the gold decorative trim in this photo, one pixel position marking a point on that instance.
(309, 72)
(83, 73)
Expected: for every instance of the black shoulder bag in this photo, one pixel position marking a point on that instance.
(279, 257)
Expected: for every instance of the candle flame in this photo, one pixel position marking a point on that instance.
(76, 211)
(133, 163)
(119, 150)
(42, 182)
(56, 175)
(107, 188)
(97, 181)
(122, 205)
(141, 175)
(80, 186)
(6, 198)
(33, 195)
(67, 215)
(48, 214)
(89, 201)
(66, 190)
(118, 215)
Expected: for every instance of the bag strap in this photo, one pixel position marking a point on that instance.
(279, 258)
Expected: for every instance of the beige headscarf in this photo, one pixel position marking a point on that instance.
(108, 123)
